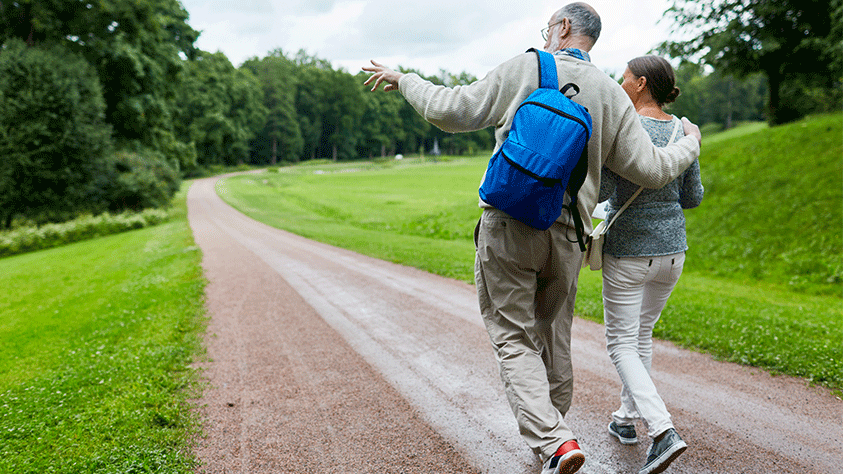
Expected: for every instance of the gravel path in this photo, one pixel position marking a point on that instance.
(323, 360)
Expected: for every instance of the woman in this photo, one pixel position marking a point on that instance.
(643, 257)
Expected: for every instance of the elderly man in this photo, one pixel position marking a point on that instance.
(526, 278)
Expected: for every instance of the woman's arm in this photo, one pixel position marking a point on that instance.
(691, 191)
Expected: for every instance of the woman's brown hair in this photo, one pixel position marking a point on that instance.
(661, 82)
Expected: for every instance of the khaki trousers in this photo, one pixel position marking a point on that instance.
(526, 283)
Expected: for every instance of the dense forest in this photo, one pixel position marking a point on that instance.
(107, 105)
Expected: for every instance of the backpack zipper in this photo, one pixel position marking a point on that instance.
(559, 112)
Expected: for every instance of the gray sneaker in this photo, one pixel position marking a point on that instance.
(624, 433)
(665, 449)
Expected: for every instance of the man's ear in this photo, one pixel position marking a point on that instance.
(565, 27)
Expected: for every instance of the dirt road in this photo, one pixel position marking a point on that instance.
(323, 360)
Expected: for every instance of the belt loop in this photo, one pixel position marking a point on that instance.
(651, 263)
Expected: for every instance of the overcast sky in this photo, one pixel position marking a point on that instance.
(428, 35)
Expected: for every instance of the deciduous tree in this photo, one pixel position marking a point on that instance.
(53, 135)
(797, 44)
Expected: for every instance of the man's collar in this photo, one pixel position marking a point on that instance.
(574, 52)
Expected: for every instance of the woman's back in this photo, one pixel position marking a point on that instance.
(654, 223)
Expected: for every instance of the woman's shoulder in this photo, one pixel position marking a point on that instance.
(661, 130)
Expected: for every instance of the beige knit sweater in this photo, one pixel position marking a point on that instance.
(618, 140)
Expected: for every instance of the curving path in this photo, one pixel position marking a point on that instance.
(324, 360)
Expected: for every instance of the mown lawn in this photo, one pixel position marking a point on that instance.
(96, 339)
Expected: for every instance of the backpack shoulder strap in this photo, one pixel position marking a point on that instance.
(547, 69)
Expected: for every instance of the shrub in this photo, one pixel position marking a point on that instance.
(143, 180)
(28, 239)
(53, 134)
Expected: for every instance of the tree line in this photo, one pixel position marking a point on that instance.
(107, 105)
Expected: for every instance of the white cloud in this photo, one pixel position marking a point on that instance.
(429, 36)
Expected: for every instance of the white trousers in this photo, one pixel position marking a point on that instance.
(635, 290)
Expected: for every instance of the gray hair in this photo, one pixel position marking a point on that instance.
(584, 20)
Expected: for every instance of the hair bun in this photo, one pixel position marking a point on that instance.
(672, 95)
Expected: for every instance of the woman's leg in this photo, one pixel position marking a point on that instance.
(657, 290)
(624, 281)
(623, 287)
(656, 293)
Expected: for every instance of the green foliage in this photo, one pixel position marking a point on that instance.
(142, 180)
(97, 338)
(135, 48)
(281, 136)
(220, 109)
(768, 215)
(716, 98)
(28, 239)
(52, 134)
(797, 44)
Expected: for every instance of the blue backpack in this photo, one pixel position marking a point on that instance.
(545, 153)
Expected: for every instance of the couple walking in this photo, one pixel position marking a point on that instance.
(526, 278)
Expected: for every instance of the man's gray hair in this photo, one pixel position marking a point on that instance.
(584, 20)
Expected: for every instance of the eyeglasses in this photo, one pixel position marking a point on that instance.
(546, 30)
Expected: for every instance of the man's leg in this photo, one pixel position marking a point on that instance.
(510, 255)
(555, 299)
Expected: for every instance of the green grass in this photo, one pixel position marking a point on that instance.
(414, 212)
(96, 341)
(749, 293)
(773, 207)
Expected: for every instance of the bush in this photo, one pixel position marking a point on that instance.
(29, 239)
(142, 180)
(53, 134)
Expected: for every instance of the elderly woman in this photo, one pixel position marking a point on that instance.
(643, 256)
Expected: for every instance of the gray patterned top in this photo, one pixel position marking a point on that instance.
(654, 223)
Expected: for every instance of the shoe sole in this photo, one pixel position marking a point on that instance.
(667, 457)
(623, 440)
(572, 463)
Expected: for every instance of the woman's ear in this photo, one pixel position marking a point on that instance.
(640, 83)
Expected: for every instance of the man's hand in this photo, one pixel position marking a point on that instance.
(381, 73)
(691, 129)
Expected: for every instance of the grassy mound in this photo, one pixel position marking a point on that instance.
(773, 207)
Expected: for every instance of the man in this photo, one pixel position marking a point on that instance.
(526, 278)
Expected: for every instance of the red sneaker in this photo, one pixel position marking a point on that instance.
(567, 460)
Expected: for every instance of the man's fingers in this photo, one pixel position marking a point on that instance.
(379, 75)
(378, 81)
(691, 129)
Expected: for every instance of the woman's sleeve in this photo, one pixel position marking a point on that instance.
(607, 184)
(691, 192)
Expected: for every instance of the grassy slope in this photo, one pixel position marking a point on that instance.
(95, 340)
(750, 309)
(773, 207)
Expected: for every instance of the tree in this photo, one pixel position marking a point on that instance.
(381, 125)
(136, 48)
(797, 44)
(329, 109)
(344, 111)
(281, 135)
(220, 109)
(53, 135)
(712, 97)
